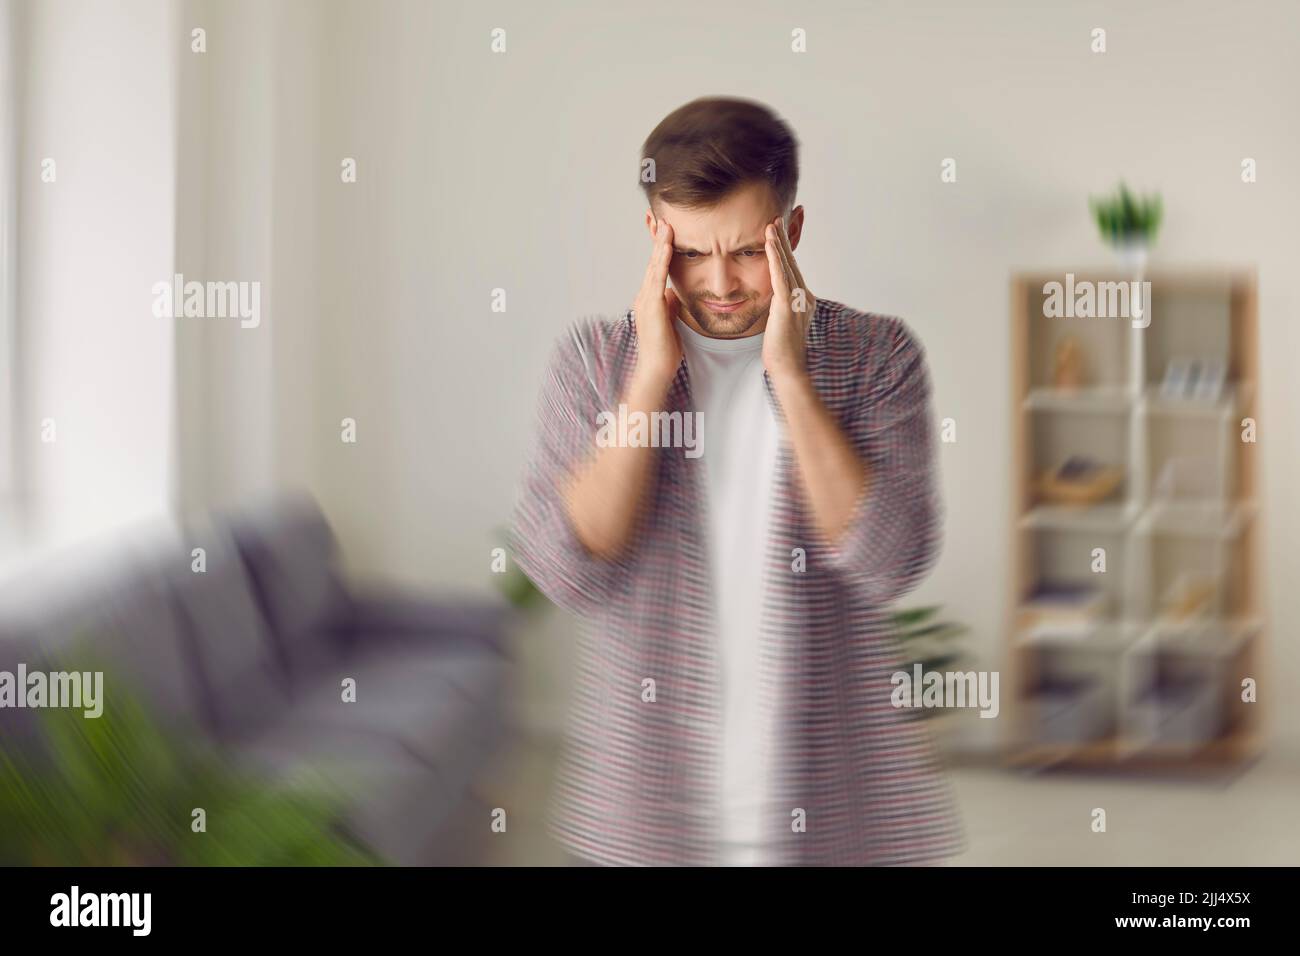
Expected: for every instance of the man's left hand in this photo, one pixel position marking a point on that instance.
(785, 337)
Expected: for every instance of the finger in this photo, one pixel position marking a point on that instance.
(664, 257)
(791, 264)
(797, 282)
(775, 266)
(782, 261)
(785, 259)
(660, 254)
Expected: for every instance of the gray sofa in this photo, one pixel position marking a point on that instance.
(254, 653)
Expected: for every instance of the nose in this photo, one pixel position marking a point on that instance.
(724, 279)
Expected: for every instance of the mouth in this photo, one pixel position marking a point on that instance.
(723, 306)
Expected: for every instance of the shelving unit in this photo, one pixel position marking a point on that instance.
(1138, 684)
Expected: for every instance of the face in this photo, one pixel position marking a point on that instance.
(719, 267)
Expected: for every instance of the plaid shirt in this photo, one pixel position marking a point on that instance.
(638, 781)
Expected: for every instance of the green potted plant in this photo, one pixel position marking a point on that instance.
(515, 586)
(1129, 223)
(927, 641)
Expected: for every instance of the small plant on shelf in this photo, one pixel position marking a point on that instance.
(1124, 217)
(1129, 223)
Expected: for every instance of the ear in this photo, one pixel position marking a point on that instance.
(794, 226)
(650, 222)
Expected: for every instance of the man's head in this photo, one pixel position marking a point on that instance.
(723, 169)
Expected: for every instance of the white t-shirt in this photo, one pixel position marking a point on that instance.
(741, 438)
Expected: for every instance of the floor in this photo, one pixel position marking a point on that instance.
(1012, 818)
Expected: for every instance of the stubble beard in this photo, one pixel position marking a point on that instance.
(726, 325)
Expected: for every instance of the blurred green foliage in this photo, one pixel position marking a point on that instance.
(119, 790)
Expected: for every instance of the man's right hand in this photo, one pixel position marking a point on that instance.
(604, 495)
(659, 350)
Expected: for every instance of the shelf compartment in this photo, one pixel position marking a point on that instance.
(1106, 636)
(1106, 344)
(1235, 399)
(1177, 695)
(1089, 400)
(1187, 323)
(1197, 519)
(1109, 518)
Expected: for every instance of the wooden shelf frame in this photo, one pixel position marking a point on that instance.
(1125, 409)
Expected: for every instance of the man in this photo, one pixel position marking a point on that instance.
(734, 702)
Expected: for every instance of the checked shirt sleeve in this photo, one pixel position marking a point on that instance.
(542, 535)
(894, 537)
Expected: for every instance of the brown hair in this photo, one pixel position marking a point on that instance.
(710, 146)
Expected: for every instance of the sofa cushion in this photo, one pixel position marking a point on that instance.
(445, 705)
(404, 754)
(291, 556)
(242, 673)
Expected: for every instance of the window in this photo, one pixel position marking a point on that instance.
(9, 478)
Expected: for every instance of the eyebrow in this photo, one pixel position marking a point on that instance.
(754, 244)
